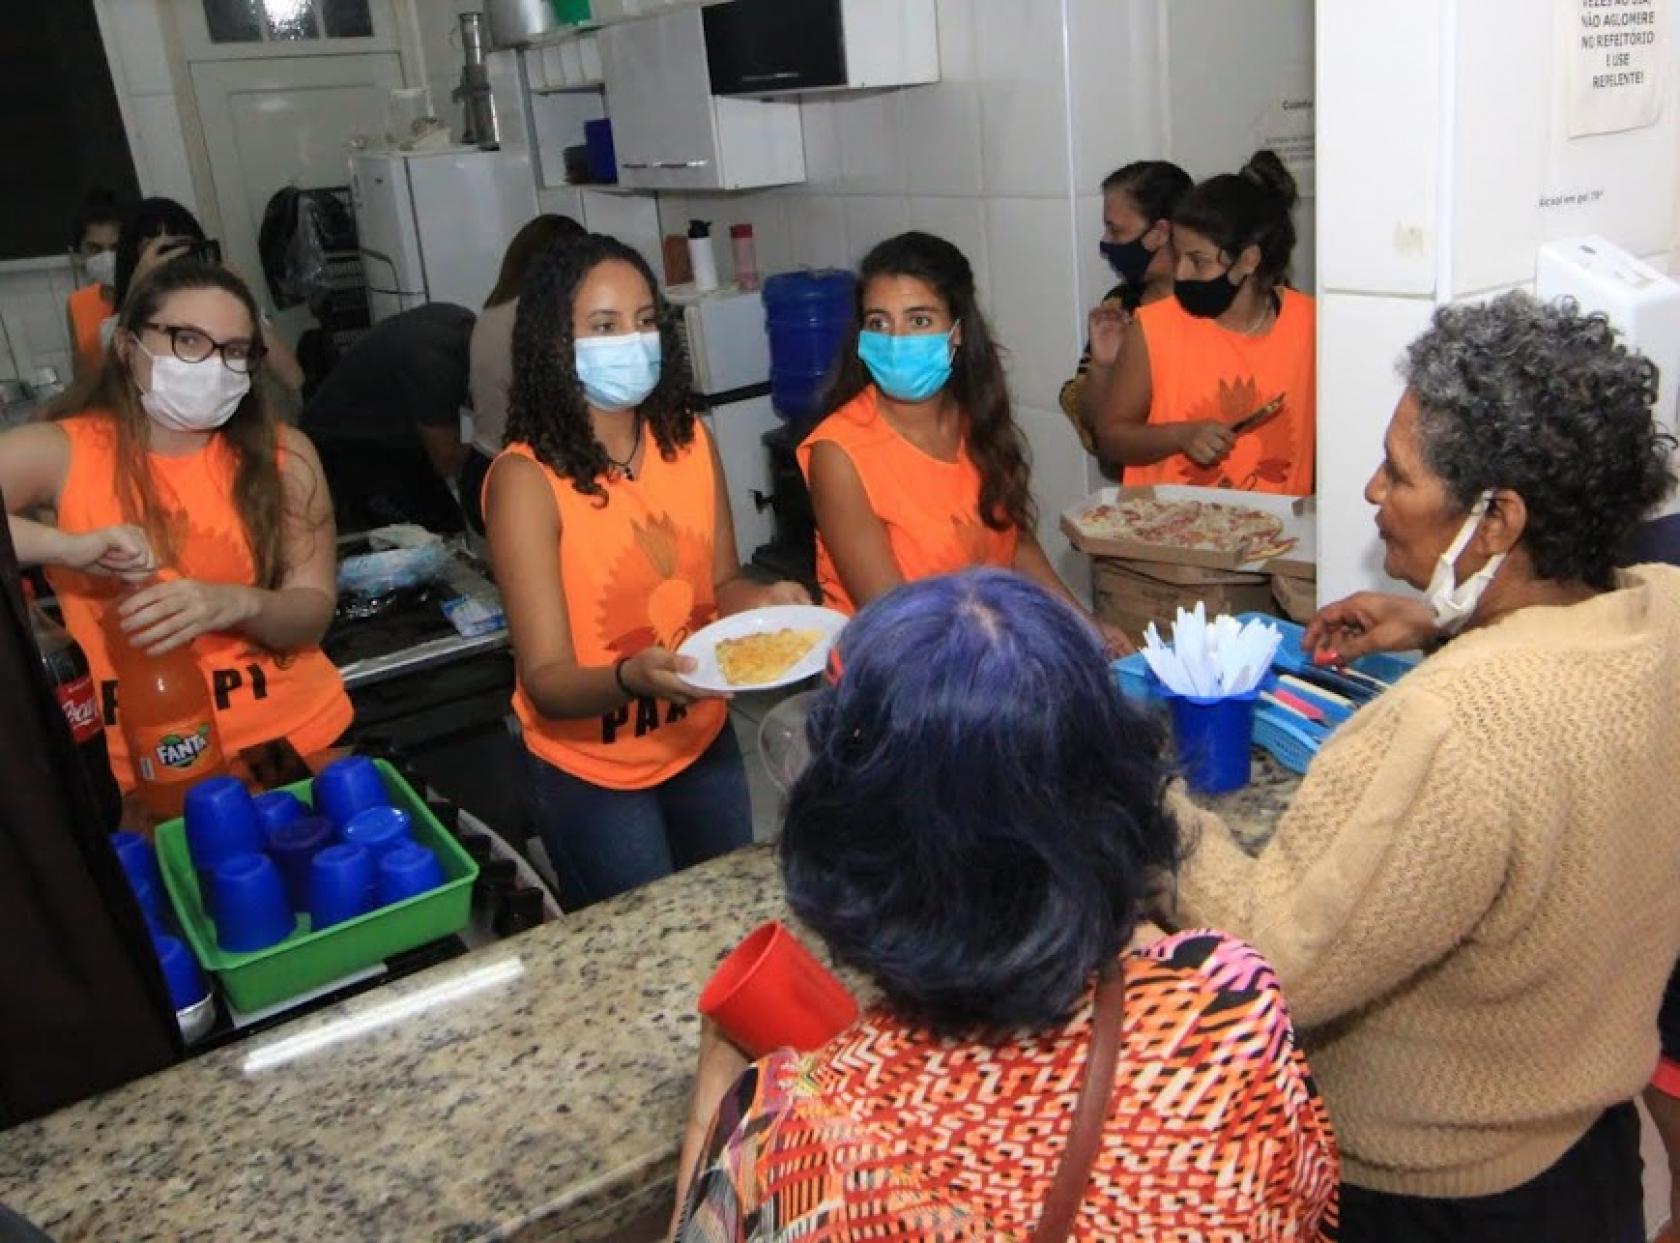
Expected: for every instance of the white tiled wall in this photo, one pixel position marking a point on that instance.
(32, 297)
(135, 47)
(1431, 188)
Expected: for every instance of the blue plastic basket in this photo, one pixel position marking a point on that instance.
(1289, 740)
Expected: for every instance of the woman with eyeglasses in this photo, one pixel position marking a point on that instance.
(185, 508)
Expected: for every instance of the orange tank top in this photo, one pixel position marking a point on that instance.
(931, 509)
(259, 695)
(637, 572)
(1200, 371)
(89, 308)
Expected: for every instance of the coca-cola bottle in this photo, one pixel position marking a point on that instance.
(72, 684)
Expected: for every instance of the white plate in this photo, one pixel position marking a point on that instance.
(702, 645)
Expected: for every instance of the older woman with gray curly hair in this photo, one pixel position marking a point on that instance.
(1473, 901)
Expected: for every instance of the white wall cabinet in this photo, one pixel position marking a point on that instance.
(605, 12)
(671, 133)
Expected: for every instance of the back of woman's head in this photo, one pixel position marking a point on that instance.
(1155, 187)
(157, 217)
(1250, 208)
(250, 431)
(536, 236)
(977, 380)
(546, 406)
(982, 814)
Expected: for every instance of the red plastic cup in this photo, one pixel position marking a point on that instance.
(770, 993)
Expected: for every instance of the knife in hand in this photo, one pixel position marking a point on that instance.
(1249, 422)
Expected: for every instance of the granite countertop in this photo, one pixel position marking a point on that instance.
(533, 1090)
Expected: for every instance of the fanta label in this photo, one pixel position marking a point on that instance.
(176, 753)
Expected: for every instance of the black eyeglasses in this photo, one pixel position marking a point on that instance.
(194, 345)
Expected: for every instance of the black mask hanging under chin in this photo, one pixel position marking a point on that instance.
(1207, 299)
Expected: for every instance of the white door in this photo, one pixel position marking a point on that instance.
(281, 87)
(273, 123)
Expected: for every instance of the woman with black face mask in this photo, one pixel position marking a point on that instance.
(1138, 203)
(1216, 386)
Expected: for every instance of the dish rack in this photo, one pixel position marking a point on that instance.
(1289, 739)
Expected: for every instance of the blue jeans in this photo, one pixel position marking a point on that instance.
(603, 842)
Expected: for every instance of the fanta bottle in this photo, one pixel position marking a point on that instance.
(167, 718)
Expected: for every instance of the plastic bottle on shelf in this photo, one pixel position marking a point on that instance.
(700, 256)
(746, 256)
(167, 717)
(67, 670)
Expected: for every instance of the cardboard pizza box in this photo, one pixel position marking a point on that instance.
(1297, 597)
(1301, 561)
(1298, 514)
(1130, 594)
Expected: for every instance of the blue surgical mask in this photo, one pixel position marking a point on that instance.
(618, 373)
(908, 368)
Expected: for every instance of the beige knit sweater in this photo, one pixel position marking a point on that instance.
(1473, 902)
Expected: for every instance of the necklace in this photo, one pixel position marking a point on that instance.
(635, 443)
(1267, 309)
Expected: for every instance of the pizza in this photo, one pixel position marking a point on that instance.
(755, 659)
(1210, 525)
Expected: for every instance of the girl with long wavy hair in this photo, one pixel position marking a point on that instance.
(920, 469)
(612, 542)
(166, 469)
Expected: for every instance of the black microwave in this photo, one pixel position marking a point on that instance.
(757, 47)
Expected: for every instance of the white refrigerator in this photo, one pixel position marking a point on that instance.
(432, 225)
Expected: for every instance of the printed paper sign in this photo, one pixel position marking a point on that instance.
(1612, 62)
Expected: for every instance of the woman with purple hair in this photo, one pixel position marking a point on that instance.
(977, 832)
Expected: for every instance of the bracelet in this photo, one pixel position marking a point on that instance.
(618, 676)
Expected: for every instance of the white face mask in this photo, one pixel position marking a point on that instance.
(1453, 602)
(192, 397)
(101, 267)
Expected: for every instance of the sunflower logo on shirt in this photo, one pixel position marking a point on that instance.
(1264, 455)
(651, 596)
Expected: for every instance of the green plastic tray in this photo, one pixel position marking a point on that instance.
(306, 960)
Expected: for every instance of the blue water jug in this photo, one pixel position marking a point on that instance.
(808, 315)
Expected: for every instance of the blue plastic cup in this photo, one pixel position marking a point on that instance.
(348, 786)
(248, 903)
(221, 823)
(378, 829)
(340, 886)
(293, 849)
(150, 901)
(1215, 740)
(275, 809)
(180, 972)
(407, 871)
(137, 857)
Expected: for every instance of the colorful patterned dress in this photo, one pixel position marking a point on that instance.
(1216, 1130)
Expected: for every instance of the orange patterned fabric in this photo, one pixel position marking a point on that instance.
(1199, 370)
(930, 508)
(1215, 1132)
(259, 695)
(637, 572)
